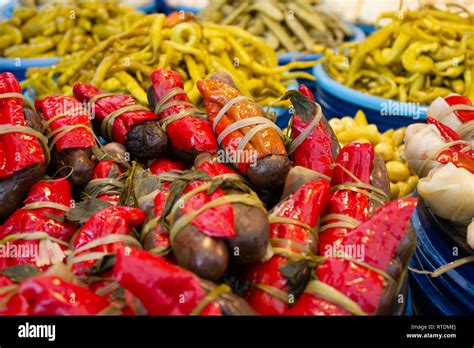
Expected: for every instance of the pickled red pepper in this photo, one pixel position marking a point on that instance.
(159, 242)
(17, 150)
(104, 233)
(355, 158)
(160, 284)
(304, 206)
(315, 152)
(459, 152)
(51, 295)
(102, 104)
(106, 173)
(68, 123)
(38, 225)
(345, 286)
(265, 142)
(15, 304)
(190, 133)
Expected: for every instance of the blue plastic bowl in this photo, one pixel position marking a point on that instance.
(367, 28)
(150, 8)
(357, 35)
(18, 66)
(338, 100)
(451, 293)
(282, 116)
(188, 9)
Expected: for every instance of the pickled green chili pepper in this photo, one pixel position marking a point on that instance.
(103, 31)
(372, 43)
(65, 43)
(417, 57)
(9, 35)
(96, 19)
(133, 87)
(458, 86)
(30, 50)
(387, 56)
(413, 59)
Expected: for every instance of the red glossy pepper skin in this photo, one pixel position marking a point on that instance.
(378, 237)
(78, 138)
(463, 115)
(162, 288)
(455, 154)
(447, 133)
(459, 159)
(162, 237)
(215, 169)
(357, 158)
(163, 165)
(16, 304)
(17, 150)
(315, 152)
(39, 220)
(50, 295)
(157, 167)
(214, 222)
(105, 106)
(188, 133)
(113, 220)
(305, 205)
(102, 170)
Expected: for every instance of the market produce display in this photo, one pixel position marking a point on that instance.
(61, 28)
(123, 62)
(199, 222)
(149, 173)
(419, 56)
(287, 26)
(388, 145)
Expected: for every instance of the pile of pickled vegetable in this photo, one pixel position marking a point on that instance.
(287, 26)
(60, 28)
(417, 57)
(123, 62)
(221, 205)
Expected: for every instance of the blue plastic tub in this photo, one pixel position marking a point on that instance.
(150, 8)
(367, 28)
(451, 293)
(188, 9)
(338, 100)
(18, 66)
(166, 8)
